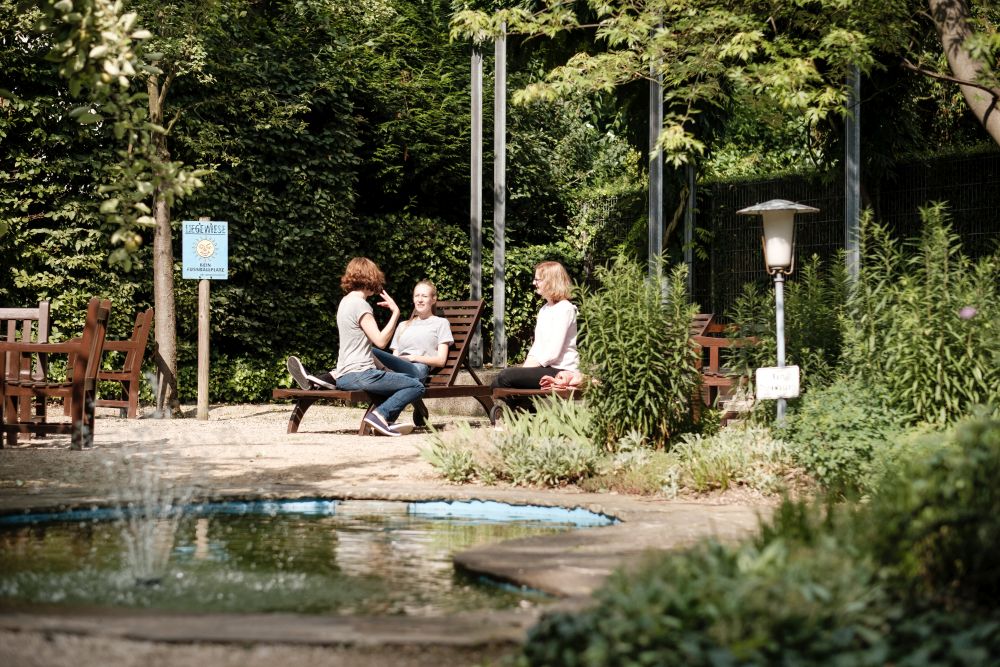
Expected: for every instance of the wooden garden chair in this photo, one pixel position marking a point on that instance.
(129, 374)
(79, 388)
(27, 325)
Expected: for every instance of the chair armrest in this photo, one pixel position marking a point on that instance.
(119, 346)
(46, 348)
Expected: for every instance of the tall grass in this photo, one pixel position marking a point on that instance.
(634, 339)
(924, 322)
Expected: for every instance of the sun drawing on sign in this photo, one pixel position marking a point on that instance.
(205, 248)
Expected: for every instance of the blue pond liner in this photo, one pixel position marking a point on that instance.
(483, 510)
(493, 511)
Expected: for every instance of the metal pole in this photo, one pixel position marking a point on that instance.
(689, 229)
(476, 202)
(779, 313)
(852, 175)
(499, 199)
(203, 340)
(655, 169)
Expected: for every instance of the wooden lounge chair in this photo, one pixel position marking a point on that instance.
(463, 316)
(79, 388)
(129, 374)
(27, 325)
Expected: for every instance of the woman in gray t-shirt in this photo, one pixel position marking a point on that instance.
(422, 342)
(359, 335)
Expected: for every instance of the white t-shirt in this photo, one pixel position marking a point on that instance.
(555, 337)
(355, 349)
(421, 337)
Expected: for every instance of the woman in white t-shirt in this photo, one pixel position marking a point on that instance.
(554, 347)
(422, 342)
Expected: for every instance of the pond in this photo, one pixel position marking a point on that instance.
(301, 556)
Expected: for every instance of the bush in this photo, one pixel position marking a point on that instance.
(837, 433)
(924, 323)
(938, 516)
(548, 448)
(734, 457)
(908, 578)
(233, 380)
(635, 340)
(780, 603)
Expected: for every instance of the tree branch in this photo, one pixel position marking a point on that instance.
(944, 77)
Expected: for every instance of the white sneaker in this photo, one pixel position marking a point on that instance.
(298, 372)
(402, 429)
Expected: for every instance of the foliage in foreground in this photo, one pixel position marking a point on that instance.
(820, 585)
(635, 341)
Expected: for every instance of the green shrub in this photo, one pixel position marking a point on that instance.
(938, 516)
(548, 448)
(781, 603)
(837, 433)
(814, 303)
(924, 322)
(635, 340)
(734, 457)
(909, 578)
(234, 380)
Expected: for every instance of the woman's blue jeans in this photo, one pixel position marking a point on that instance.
(400, 390)
(400, 365)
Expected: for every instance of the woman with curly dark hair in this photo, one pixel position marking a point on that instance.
(356, 369)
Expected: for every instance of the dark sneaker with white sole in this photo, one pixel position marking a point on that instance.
(324, 381)
(298, 373)
(374, 420)
(402, 429)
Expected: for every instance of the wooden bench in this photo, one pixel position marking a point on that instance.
(80, 388)
(27, 325)
(463, 317)
(718, 382)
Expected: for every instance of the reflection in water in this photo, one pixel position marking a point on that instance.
(347, 557)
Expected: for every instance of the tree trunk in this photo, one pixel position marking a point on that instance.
(951, 18)
(163, 269)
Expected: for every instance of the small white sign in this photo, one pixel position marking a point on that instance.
(776, 382)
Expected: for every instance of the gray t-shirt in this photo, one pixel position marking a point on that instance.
(421, 337)
(355, 349)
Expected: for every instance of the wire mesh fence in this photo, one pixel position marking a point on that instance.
(970, 185)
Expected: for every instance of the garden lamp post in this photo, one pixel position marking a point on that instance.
(779, 257)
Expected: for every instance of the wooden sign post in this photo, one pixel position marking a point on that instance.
(205, 257)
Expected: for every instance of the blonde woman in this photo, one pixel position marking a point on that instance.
(422, 342)
(554, 346)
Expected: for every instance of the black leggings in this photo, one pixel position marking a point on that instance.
(521, 377)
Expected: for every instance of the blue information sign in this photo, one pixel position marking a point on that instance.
(205, 249)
